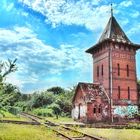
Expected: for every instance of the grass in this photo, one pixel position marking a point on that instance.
(26, 132)
(114, 134)
(67, 132)
(61, 120)
(8, 116)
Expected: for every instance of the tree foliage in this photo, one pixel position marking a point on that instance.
(6, 68)
(56, 90)
(54, 101)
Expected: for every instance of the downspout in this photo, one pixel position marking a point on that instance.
(111, 84)
(110, 71)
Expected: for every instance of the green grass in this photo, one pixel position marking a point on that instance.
(67, 132)
(60, 119)
(9, 116)
(114, 134)
(26, 132)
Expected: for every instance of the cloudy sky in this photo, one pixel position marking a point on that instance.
(49, 38)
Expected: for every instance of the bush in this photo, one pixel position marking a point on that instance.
(46, 112)
(14, 110)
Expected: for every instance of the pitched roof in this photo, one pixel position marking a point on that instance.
(114, 31)
(91, 90)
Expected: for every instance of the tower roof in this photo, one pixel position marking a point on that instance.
(114, 31)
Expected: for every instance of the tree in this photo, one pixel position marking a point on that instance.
(56, 109)
(6, 68)
(9, 88)
(56, 90)
(9, 94)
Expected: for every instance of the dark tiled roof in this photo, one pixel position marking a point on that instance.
(91, 90)
(113, 32)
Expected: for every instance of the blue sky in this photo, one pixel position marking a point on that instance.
(49, 38)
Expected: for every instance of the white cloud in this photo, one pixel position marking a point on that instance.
(126, 3)
(81, 12)
(135, 29)
(135, 14)
(37, 60)
(13, 78)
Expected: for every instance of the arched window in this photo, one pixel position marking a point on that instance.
(127, 70)
(119, 92)
(128, 93)
(118, 69)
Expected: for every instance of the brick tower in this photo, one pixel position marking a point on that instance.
(114, 66)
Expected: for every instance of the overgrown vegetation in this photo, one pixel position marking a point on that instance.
(47, 103)
(54, 101)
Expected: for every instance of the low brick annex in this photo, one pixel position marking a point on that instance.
(91, 103)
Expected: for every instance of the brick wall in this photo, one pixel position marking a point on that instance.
(124, 56)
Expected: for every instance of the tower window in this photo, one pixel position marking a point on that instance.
(102, 70)
(118, 69)
(127, 70)
(128, 93)
(119, 92)
(97, 71)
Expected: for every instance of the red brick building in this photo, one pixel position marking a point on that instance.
(114, 67)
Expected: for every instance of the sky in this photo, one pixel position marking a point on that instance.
(49, 38)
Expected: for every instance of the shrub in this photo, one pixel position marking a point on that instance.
(46, 112)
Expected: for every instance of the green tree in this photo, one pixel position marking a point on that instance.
(56, 109)
(56, 90)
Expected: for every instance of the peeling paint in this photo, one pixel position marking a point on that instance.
(82, 110)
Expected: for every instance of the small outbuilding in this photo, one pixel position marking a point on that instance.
(90, 103)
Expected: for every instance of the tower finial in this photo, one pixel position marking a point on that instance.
(111, 9)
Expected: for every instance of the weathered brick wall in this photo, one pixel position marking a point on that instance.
(101, 57)
(79, 110)
(102, 115)
(123, 55)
